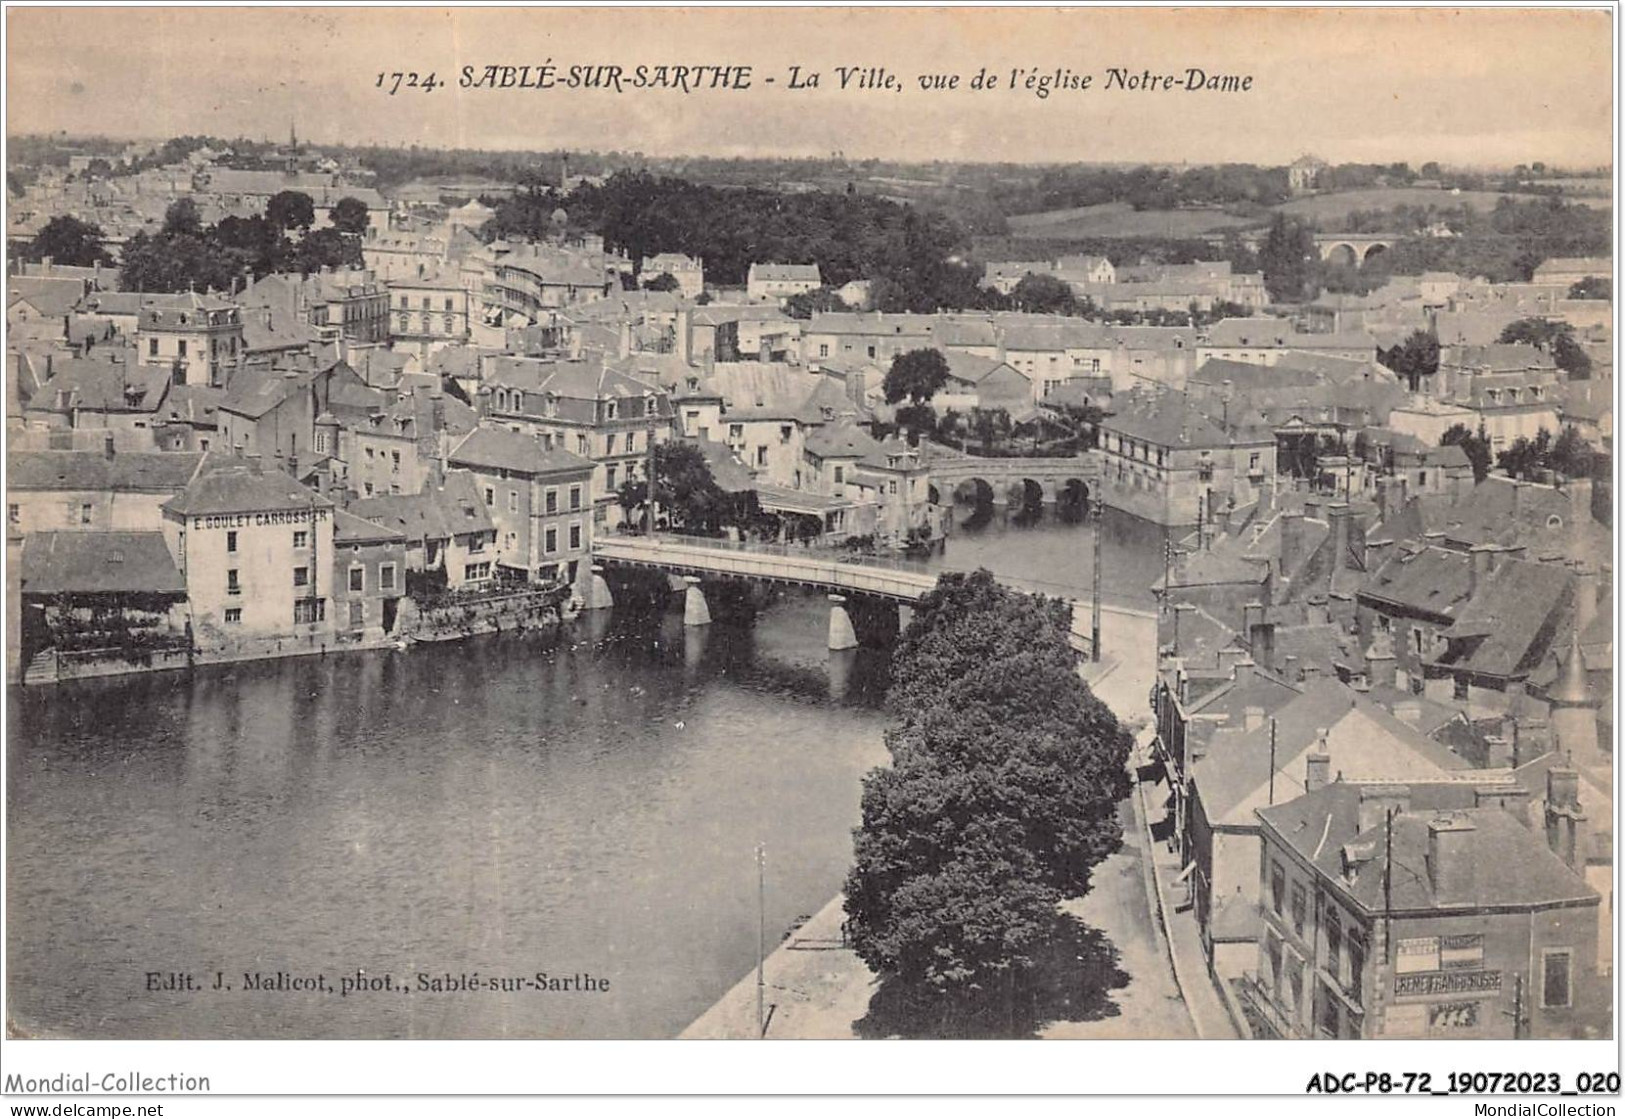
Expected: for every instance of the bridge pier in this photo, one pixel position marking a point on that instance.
(598, 596)
(696, 611)
(841, 633)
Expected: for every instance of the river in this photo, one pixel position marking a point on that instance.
(584, 802)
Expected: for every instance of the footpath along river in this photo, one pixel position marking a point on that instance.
(580, 803)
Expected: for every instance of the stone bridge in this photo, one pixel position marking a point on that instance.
(892, 582)
(1073, 478)
(1352, 249)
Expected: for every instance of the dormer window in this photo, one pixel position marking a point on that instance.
(649, 406)
(609, 410)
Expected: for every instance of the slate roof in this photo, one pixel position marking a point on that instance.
(488, 448)
(1512, 865)
(1163, 419)
(1363, 740)
(453, 509)
(125, 472)
(1511, 617)
(101, 386)
(841, 439)
(236, 486)
(778, 272)
(351, 529)
(1434, 581)
(49, 295)
(99, 563)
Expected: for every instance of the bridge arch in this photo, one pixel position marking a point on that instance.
(1372, 251)
(1342, 254)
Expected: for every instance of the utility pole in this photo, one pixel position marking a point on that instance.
(1272, 759)
(761, 940)
(1094, 602)
(649, 478)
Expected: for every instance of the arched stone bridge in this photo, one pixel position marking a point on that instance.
(1352, 249)
(890, 581)
(1053, 476)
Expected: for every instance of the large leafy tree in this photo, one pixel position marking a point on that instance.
(1001, 798)
(915, 376)
(349, 215)
(1043, 295)
(1414, 358)
(67, 240)
(1557, 339)
(1288, 260)
(688, 493)
(1476, 446)
(291, 209)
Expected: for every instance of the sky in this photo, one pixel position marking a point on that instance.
(1478, 87)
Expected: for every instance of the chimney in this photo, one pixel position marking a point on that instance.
(1382, 666)
(1180, 608)
(1291, 542)
(1482, 557)
(1450, 858)
(108, 450)
(1563, 814)
(1317, 770)
(1585, 595)
(1510, 798)
(1262, 638)
(1252, 718)
(1319, 610)
(1531, 739)
(1229, 659)
(1311, 507)
(1337, 514)
(1243, 670)
(1376, 801)
(1289, 668)
(1497, 751)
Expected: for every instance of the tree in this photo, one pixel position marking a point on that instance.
(663, 282)
(1414, 358)
(688, 493)
(1571, 456)
(291, 209)
(67, 240)
(182, 217)
(1001, 798)
(916, 376)
(1592, 287)
(1475, 447)
(804, 303)
(1288, 260)
(349, 215)
(1557, 339)
(1043, 294)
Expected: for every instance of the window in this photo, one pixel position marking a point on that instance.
(14, 515)
(736, 431)
(892, 486)
(610, 474)
(609, 409)
(358, 613)
(369, 454)
(1556, 974)
(395, 464)
(550, 541)
(1334, 944)
(386, 576)
(301, 539)
(784, 433)
(447, 323)
(152, 347)
(631, 442)
(513, 501)
(309, 611)
(1327, 1018)
(609, 443)
(180, 348)
(234, 615)
(761, 456)
(1299, 906)
(581, 446)
(840, 474)
(551, 500)
(232, 584)
(871, 351)
(575, 497)
(448, 302)
(650, 408)
(475, 571)
(490, 497)
(575, 537)
(84, 514)
(358, 578)
(1278, 888)
(823, 349)
(301, 576)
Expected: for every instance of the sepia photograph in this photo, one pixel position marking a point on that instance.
(809, 524)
